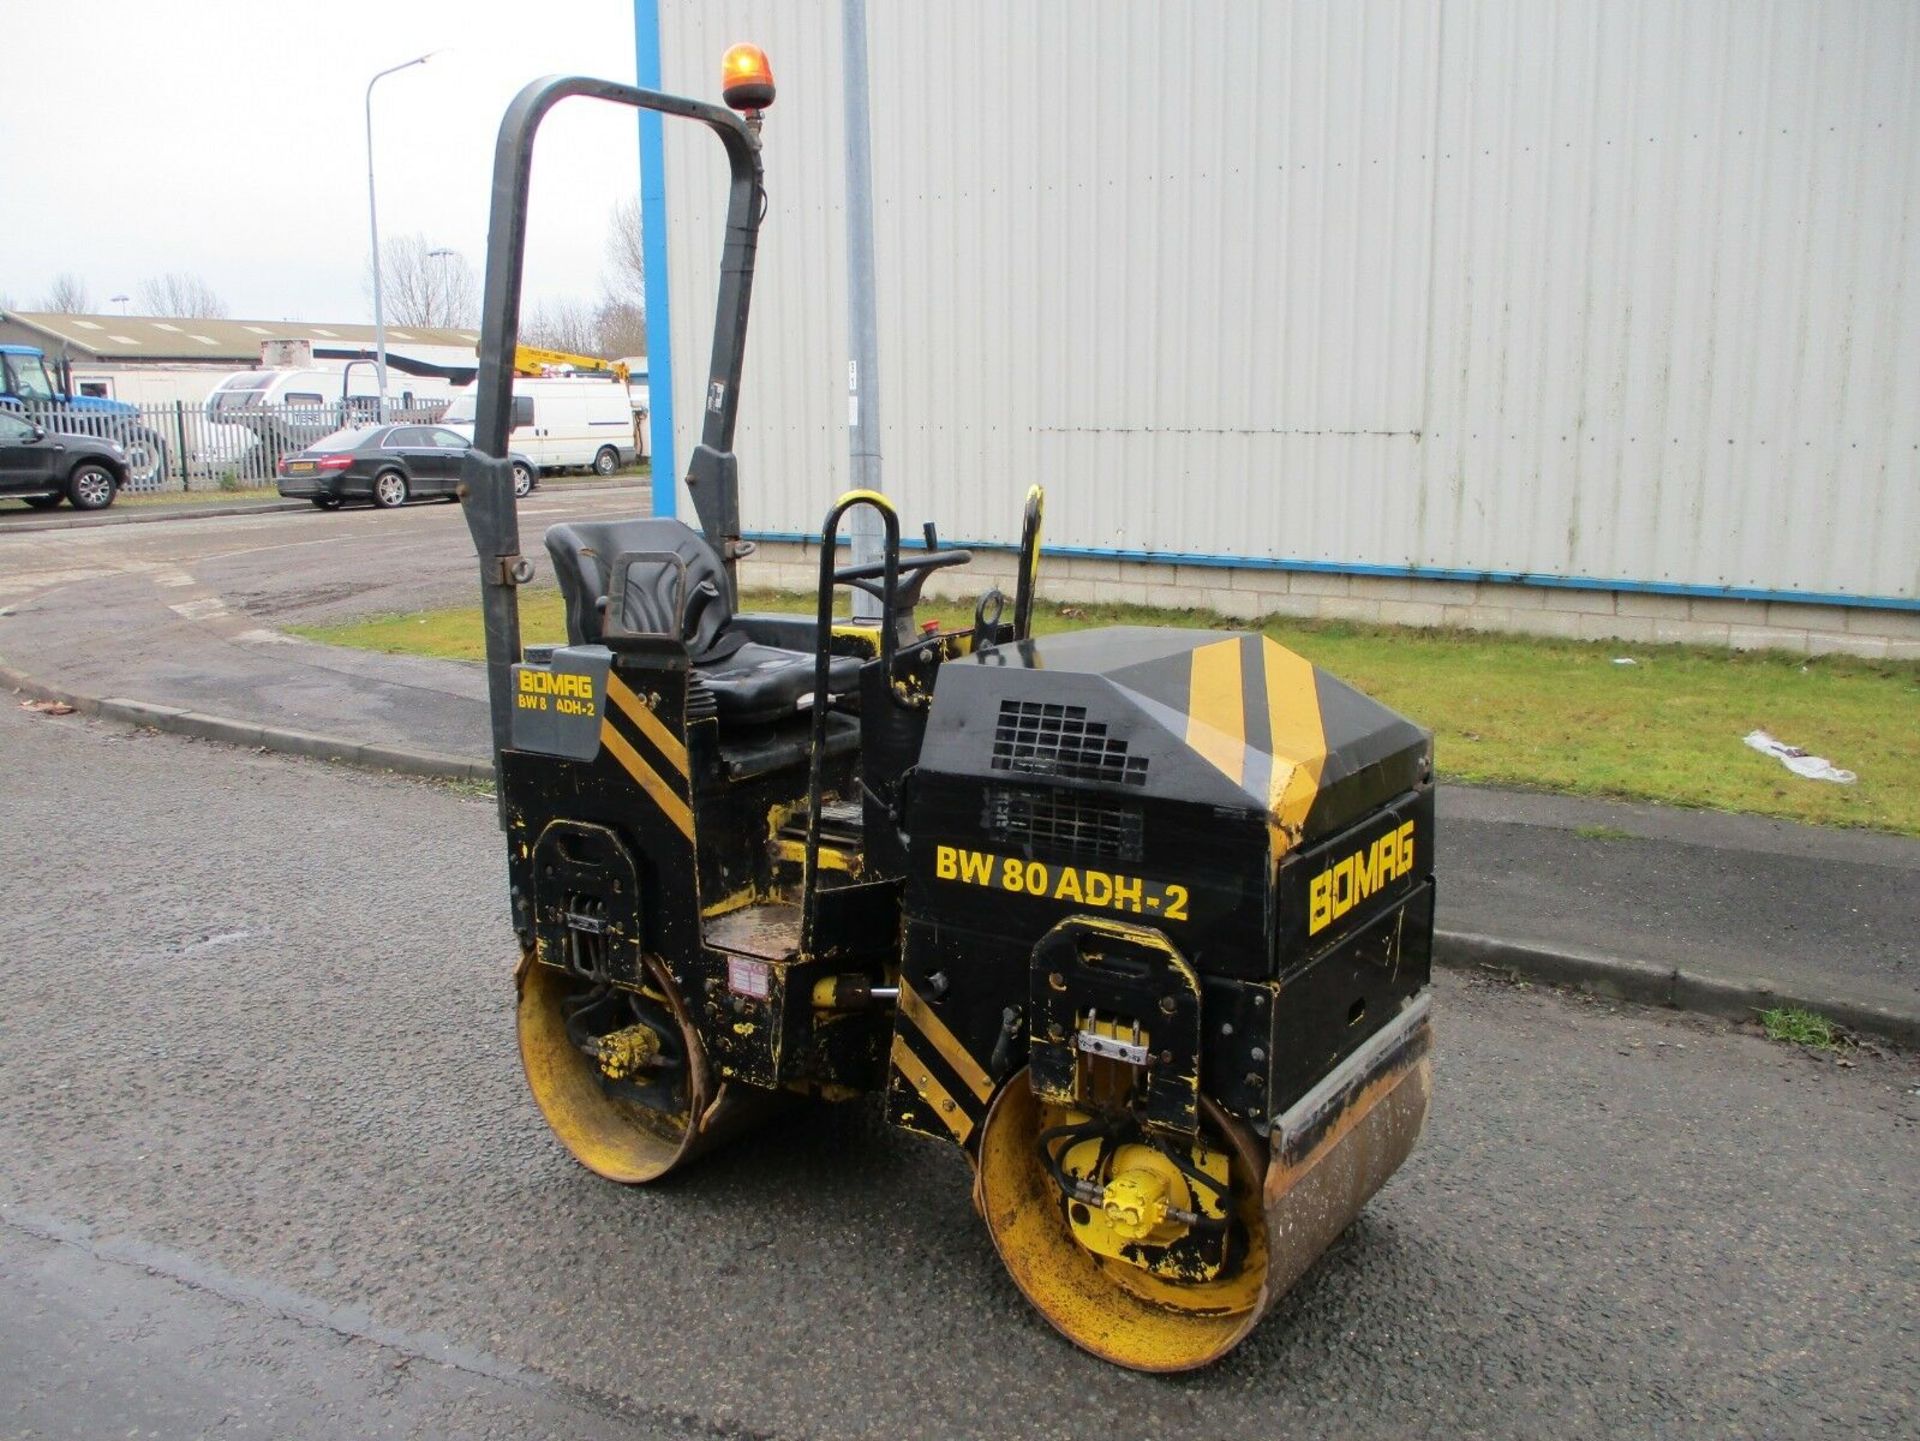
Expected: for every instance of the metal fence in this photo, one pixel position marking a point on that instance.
(178, 446)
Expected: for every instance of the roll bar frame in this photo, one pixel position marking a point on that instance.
(486, 475)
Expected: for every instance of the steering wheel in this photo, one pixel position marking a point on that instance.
(912, 572)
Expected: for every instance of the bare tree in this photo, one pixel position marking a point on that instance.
(425, 285)
(622, 328)
(181, 293)
(616, 324)
(571, 325)
(68, 295)
(628, 283)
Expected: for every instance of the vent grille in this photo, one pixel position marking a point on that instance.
(1064, 822)
(1038, 739)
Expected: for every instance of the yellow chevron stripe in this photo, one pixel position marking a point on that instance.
(1299, 741)
(641, 714)
(1216, 709)
(914, 1072)
(649, 780)
(944, 1041)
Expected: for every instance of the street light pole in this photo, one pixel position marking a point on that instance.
(444, 300)
(863, 331)
(373, 225)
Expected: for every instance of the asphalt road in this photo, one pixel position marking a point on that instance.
(307, 565)
(186, 612)
(266, 1161)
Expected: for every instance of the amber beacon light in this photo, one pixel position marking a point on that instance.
(746, 79)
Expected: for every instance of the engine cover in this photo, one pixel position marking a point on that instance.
(1163, 777)
(1269, 825)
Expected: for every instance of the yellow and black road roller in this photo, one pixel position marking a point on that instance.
(1140, 920)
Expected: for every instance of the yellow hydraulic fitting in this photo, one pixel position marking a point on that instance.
(1136, 1202)
(627, 1051)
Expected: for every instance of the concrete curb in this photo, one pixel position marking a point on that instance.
(150, 515)
(177, 721)
(1648, 983)
(1641, 982)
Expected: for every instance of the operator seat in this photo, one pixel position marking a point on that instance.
(751, 684)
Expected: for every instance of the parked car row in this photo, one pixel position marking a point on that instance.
(29, 386)
(386, 465)
(557, 423)
(44, 467)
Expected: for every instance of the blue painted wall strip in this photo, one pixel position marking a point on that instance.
(653, 248)
(1403, 572)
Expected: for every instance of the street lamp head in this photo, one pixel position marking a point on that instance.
(404, 65)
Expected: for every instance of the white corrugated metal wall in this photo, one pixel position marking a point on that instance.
(1610, 291)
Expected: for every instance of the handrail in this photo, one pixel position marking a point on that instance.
(1029, 580)
(822, 673)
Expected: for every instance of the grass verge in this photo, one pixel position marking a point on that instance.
(1602, 833)
(205, 492)
(1505, 709)
(1794, 1027)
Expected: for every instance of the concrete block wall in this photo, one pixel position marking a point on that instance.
(1250, 595)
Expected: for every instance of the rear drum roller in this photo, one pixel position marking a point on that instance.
(1283, 1210)
(621, 1076)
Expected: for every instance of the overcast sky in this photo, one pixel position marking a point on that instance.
(225, 138)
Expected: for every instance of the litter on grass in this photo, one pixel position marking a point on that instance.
(1625, 660)
(1810, 767)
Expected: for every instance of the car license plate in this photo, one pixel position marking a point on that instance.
(300, 467)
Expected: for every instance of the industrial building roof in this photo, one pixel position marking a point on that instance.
(169, 338)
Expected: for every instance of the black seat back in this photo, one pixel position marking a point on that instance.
(674, 583)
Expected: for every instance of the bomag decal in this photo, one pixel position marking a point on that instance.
(562, 692)
(1350, 880)
(1075, 885)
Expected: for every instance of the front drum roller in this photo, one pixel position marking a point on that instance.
(1293, 1194)
(613, 1134)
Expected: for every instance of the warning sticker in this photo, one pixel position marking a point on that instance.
(749, 978)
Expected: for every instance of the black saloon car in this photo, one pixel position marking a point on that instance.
(44, 467)
(386, 464)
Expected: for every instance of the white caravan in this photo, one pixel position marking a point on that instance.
(287, 409)
(564, 421)
(352, 391)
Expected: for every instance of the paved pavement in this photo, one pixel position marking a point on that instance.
(266, 1159)
(186, 615)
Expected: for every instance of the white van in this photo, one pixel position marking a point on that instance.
(565, 421)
